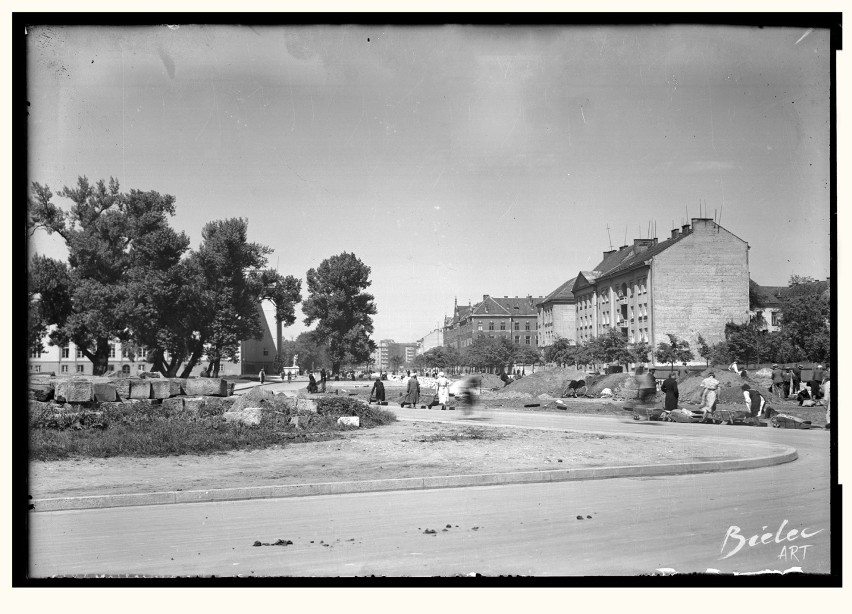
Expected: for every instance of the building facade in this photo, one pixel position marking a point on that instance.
(556, 315)
(513, 318)
(688, 285)
(433, 339)
(129, 360)
(387, 349)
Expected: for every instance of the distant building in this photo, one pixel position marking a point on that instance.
(770, 306)
(69, 360)
(435, 338)
(690, 284)
(556, 315)
(386, 349)
(513, 318)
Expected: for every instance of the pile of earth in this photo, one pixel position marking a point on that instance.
(552, 381)
(622, 385)
(489, 380)
(730, 385)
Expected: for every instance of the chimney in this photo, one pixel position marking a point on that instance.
(623, 247)
(612, 251)
(484, 297)
(684, 230)
(675, 233)
(640, 245)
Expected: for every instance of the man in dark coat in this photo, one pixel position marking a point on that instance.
(797, 378)
(670, 388)
(755, 403)
(777, 382)
(322, 379)
(816, 382)
(412, 396)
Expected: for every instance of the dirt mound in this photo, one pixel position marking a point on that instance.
(489, 380)
(730, 386)
(550, 381)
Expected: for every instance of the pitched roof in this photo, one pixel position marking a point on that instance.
(524, 306)
(770, 295)
(489, 306)
(562, 293)
(639, 258)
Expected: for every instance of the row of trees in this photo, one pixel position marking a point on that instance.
(497, 353)
(130, 276)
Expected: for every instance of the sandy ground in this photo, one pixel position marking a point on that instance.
(402, 449)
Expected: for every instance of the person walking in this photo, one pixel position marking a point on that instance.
(708, 397)
(442, 387)
(323, 378)
(669, 387)
(261, 376)
(412, 396)
(787, 376)
(377, 393)
(797, 379)
(682, 372)
(470, 388)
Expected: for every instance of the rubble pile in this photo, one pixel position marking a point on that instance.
(552, 381)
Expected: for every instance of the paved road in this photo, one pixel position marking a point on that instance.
(637, 525)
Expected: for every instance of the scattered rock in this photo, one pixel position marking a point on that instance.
(606, 393)
(250, 416)
(206, 386)
(579, 518)
(588, 516)
(349, 421)
(256, 544)
(430, 532)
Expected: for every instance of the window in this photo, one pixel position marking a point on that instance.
(517, 339)
(124, 349)
(140, 367)
(526, 325)
(502, 326)
(776, 320)
(110, 367)
(37, 368)
(479, 327)
(112, 350)
(35, 354)
(64, 368)
(527, 338)
(79, 368)
(517, 326)
(79, 353)
(66, 351)
(265, 352)
(491, 326)
(125, 368)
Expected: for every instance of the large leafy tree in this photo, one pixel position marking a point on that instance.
(805, 319)
(338, 303)
(677, 350)
(113, 239)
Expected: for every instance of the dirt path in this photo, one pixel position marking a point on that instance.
(403, 449)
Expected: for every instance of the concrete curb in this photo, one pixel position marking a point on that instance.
(784, 455)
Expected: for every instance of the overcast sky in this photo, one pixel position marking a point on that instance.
(454, 161)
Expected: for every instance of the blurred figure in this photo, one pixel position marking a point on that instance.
(261, 376)
(471, 386)
(312, 383)
(816, 380)
(322, 379)
(646, 384)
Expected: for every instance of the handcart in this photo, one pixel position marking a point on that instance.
(646, 411)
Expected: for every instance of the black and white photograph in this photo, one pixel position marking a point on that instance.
(428, 298)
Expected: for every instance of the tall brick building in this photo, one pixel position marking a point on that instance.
(690, 284)
(513, 318)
